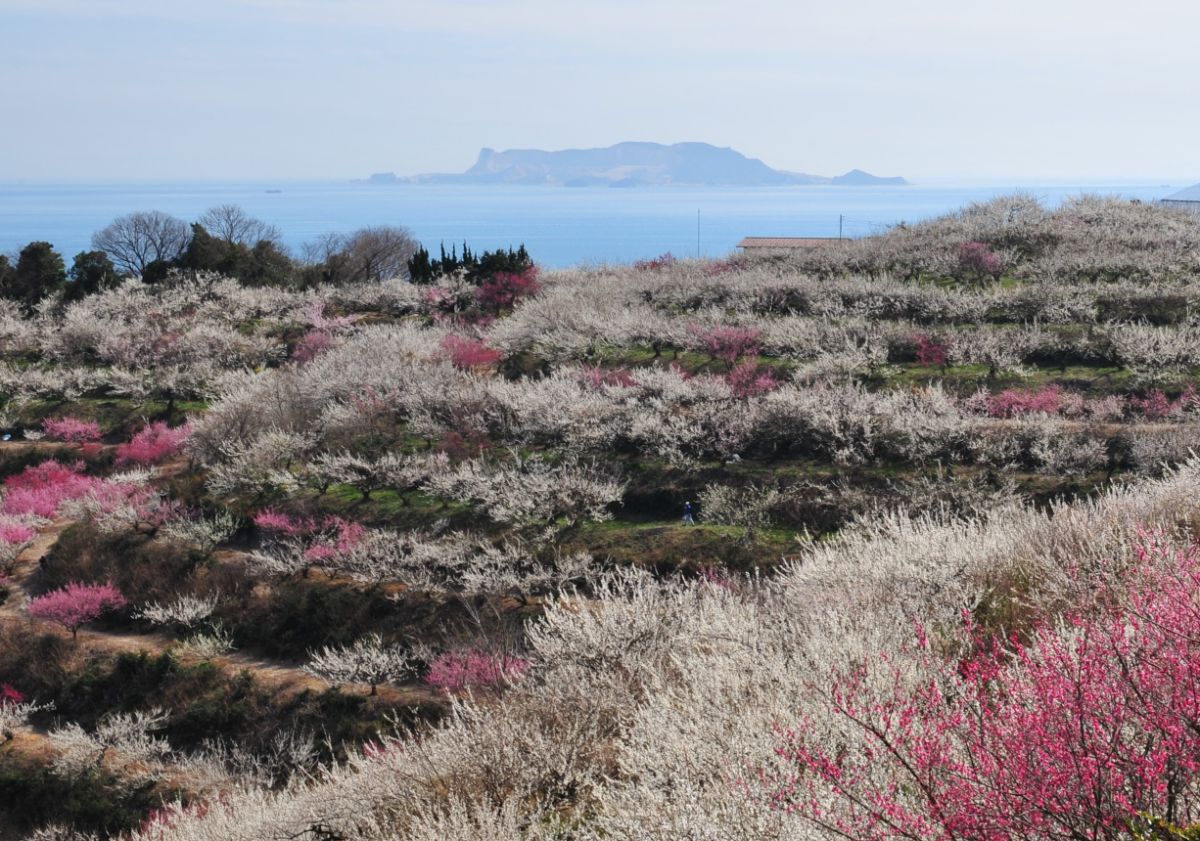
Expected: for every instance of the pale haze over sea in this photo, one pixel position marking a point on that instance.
(560, 226)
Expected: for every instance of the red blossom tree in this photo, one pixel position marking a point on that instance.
(750, 380)
(312, 344)
(76, 604)
(504, 289)
(977, 260)
(10, 696)
(466, 354)
(1013, 402)
(154, 443)
(71, 429)
(1089, 730)
(931, 351)
(656, 264)
(728, 343)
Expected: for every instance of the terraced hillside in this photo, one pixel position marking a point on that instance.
(396, 560)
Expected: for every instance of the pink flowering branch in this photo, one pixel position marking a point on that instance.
(1087, 731)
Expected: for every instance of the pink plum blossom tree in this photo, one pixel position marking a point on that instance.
(76, 604)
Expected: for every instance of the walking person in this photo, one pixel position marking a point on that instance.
(688, 519)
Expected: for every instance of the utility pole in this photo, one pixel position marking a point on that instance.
(697, 233)
(840, 218)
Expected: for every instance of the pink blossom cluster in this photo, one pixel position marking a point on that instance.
(154, 443)
(41, 489)
(931, 351)
(327, 538)
(1155, 405)
(318, 320)
(312, 344)
(76, 604)
(466, 354)
(1055, 400)
(978, 259)
(726, 342)
(1013, 402)
(1089, 729)
(504, 289)
(338, 538)
(15, 533)
(597, 377)
(71, 429)
(456, 670)
(751, 380)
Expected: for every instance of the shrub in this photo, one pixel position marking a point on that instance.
(76, 604)
(457, 670)
(71, 429)
(154, 443)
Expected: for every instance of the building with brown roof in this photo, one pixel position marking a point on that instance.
(758, 245)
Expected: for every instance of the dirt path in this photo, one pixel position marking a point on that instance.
(279, 677)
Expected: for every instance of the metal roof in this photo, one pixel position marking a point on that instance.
(787, 242)
(1192, 193)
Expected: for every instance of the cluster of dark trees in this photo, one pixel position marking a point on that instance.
(40, 271)
(225, 239)
(476, 267)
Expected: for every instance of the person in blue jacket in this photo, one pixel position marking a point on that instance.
(688, 519)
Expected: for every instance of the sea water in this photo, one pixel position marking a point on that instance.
(560, 226)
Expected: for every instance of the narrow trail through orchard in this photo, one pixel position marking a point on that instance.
(278, 677)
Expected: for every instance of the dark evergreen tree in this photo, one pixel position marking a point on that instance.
(40, 271)
(91, 272)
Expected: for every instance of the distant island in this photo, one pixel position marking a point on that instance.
(631, 165)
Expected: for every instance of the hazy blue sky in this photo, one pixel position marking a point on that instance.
(341, 88)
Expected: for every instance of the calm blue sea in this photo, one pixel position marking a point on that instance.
(559, 226)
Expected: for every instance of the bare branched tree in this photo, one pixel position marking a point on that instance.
(231, 223)
(135, 241)
(368, 254)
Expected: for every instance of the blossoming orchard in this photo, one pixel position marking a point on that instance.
(890, 539)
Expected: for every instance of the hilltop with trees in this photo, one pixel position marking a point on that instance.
(893, 539)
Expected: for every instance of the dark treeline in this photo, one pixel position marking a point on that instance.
(154, 246)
